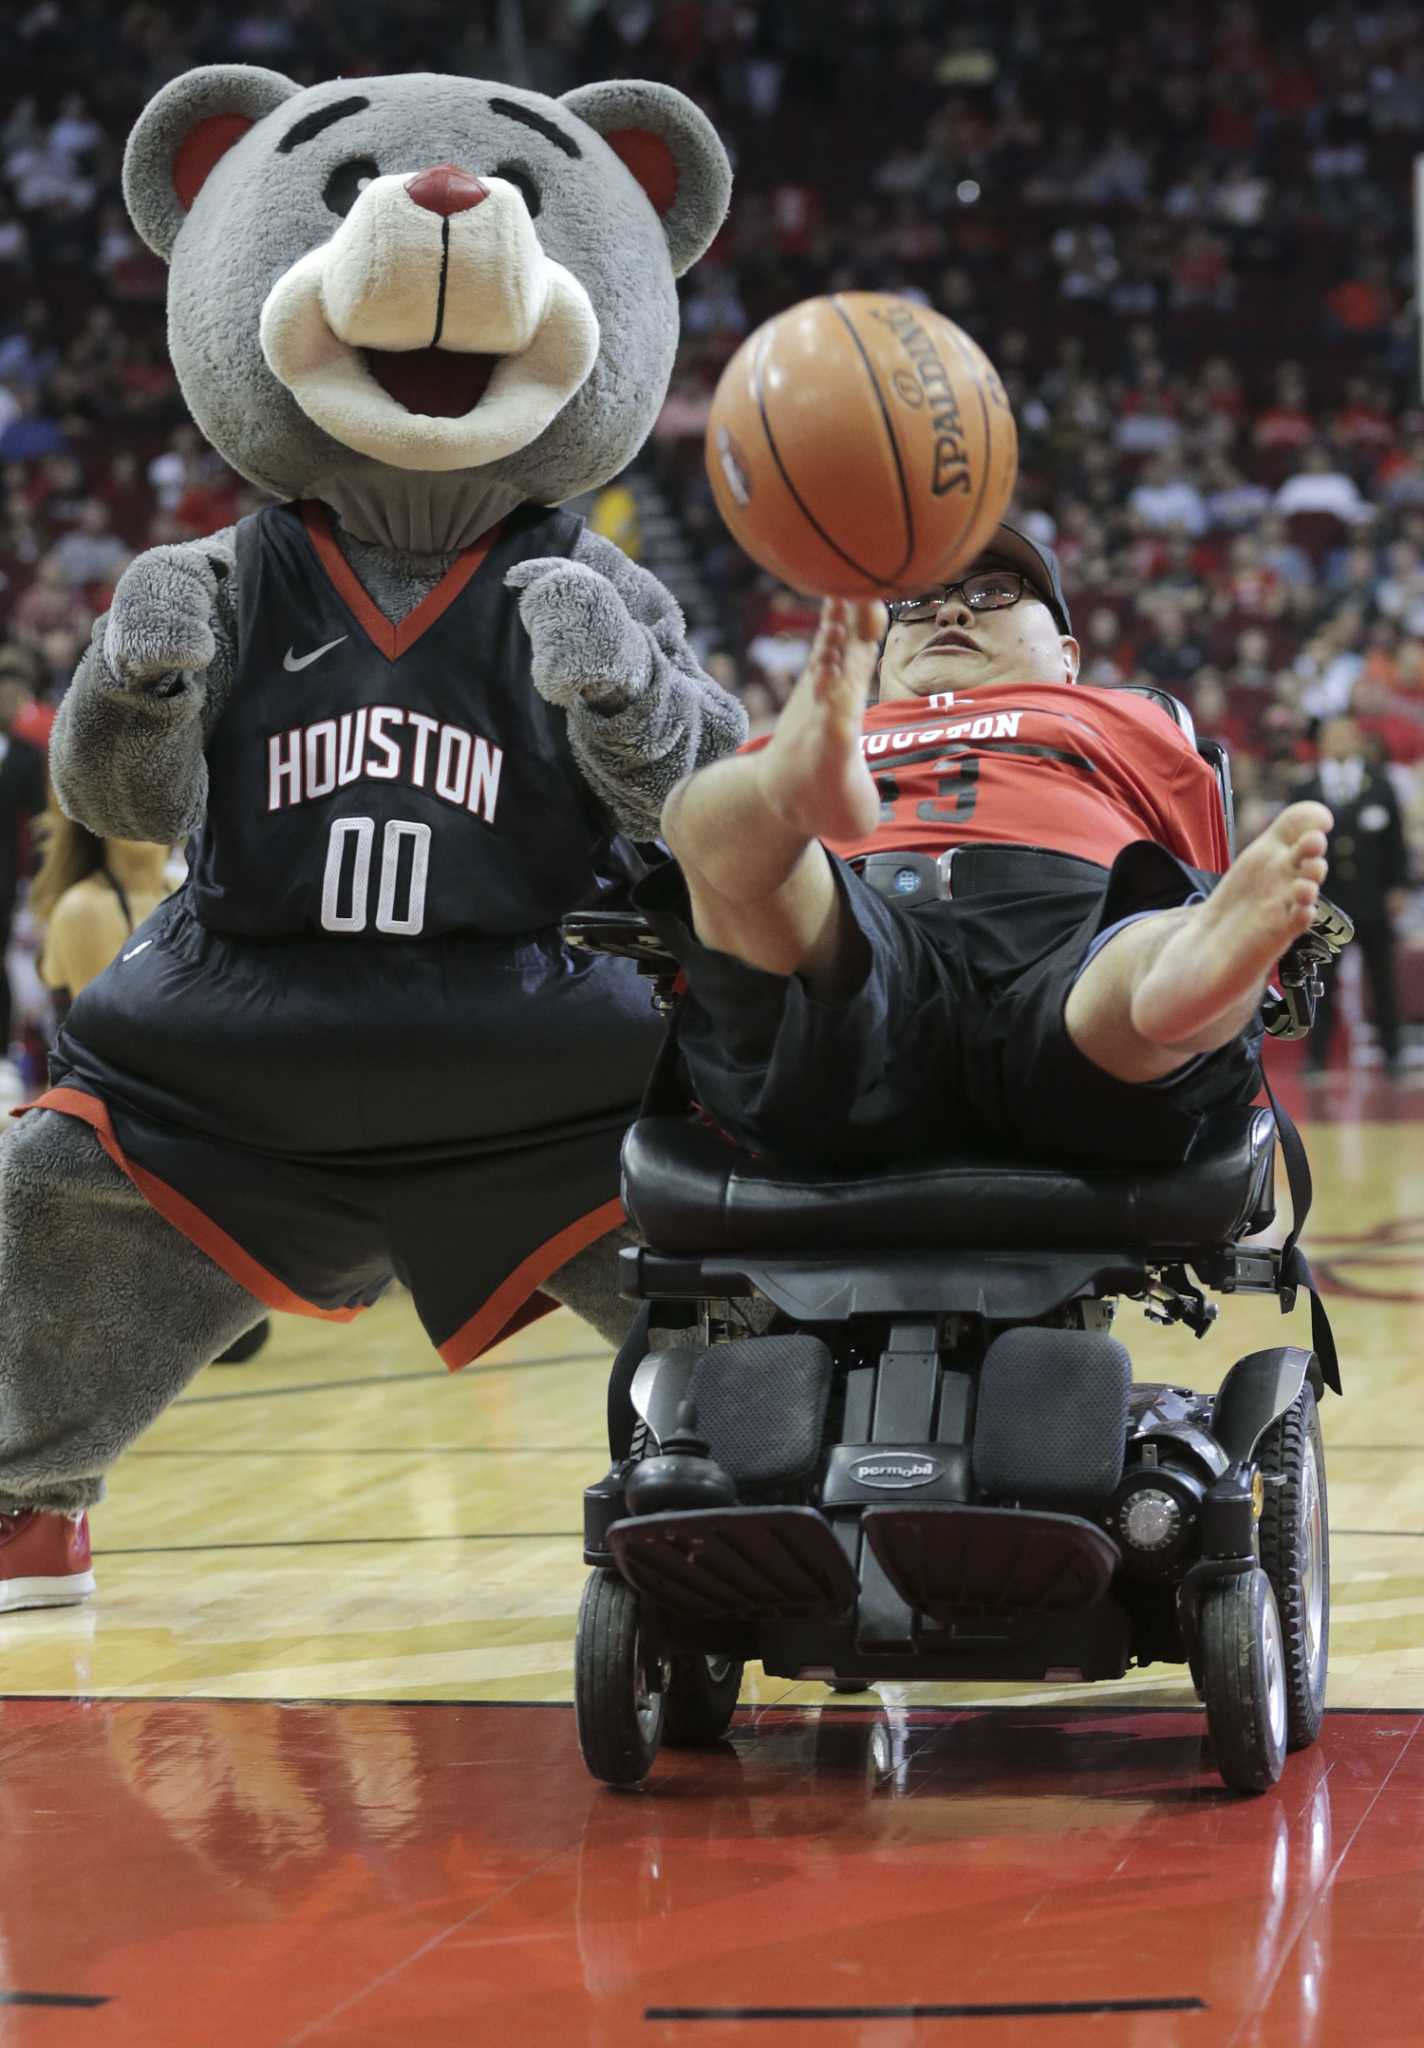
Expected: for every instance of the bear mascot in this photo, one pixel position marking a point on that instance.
(406, 716)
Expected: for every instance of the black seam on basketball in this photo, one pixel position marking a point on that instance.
(811, 520)
(988, 436)
(905, 501)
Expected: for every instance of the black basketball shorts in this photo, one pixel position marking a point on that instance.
(954, 1039)
(319, 1120)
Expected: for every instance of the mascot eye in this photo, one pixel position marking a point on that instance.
(348, 181)
(523, 184)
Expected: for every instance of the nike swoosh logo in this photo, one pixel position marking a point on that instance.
(134, 951)
(292, 662)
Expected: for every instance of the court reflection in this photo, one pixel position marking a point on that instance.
(401, 1867)
(244, 1789)
(847, 1859)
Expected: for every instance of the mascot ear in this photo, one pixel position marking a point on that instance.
(673, 151)
(181, 134)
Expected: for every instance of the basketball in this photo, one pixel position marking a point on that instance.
(861, 445)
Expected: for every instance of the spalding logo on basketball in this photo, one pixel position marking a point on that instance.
(861, 444)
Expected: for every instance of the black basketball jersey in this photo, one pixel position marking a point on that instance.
(371, 781)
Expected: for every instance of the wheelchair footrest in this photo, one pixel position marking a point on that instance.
(771, 1563)
(957, 1562)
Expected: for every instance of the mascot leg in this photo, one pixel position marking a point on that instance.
(588, 1285)
(106, 1313)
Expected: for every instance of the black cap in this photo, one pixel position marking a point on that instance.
(1039, 564)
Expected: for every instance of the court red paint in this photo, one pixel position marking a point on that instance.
(255, 1874)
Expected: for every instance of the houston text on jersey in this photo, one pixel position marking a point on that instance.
(996, 725)
(383, 743)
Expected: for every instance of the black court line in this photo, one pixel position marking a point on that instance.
(1378, 1713)
(343, 1542)
(389, 1451)
(837, 1707)
(1416, 1533)
(1056, 2009)
(436, 1375)
(48, 1998)
(247, 1699)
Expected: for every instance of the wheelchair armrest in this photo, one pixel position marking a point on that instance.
(626, 933)
(1289, 1011)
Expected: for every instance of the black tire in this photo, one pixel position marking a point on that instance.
(1295, 1555)
(848, 1684)
(700, 1698)
(619, 1715)
(1244, 1680)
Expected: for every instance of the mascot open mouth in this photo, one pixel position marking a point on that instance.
(435, 381)
(519, 333)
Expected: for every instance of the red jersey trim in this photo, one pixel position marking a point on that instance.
(503, 1313)
(185, 1216)
(392, 641)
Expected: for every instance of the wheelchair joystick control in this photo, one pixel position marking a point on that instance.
(682, 1476)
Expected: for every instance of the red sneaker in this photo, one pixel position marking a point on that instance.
(45, 1560)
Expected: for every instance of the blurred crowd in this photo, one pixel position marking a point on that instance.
(1183, 232)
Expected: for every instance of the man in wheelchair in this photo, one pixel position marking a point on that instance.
(971, 982)
(1075, 992)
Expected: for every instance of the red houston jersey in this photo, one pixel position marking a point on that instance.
(1071, 769)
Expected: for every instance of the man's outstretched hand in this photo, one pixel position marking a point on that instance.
(812, 769)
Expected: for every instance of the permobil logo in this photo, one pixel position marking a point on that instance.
(891, 1471)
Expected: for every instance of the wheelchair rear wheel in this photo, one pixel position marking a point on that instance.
(1244, 1681)
(1295, 1554)
(620, 1694)
(700, 1699)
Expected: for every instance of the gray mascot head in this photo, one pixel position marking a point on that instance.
(425, 292)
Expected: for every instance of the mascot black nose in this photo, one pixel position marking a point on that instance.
(446, 189)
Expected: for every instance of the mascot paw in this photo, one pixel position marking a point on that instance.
(161, 618)
(588, 647)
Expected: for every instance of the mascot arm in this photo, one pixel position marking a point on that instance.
(610, 648)
(126, 754)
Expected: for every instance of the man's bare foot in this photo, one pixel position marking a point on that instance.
(1220, 955)
(812, 771)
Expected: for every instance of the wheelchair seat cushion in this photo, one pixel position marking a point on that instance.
(689, 1189)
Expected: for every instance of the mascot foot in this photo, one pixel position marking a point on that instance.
(247, 1345)
(45, 1560)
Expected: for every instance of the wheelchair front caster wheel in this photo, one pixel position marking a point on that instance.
(1244, 1680)
(699, 1701)
(620, 1693)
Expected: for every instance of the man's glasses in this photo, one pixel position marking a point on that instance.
(992, 590)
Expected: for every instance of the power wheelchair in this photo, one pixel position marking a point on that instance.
(883, 1429)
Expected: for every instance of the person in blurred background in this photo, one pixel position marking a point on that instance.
(24, 792)
(1369, 874)
(91, 894)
